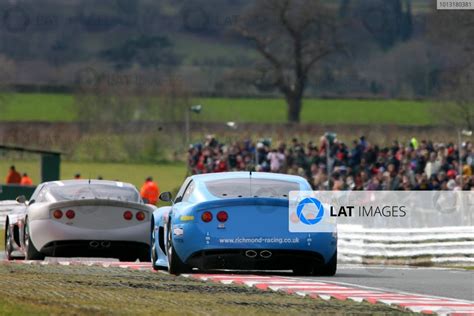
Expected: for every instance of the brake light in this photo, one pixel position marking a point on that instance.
(70, 214)
(222, 216)
(58, 214)
(206, 217)
(128, 215)
(140, 216)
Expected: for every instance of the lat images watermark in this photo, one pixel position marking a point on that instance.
(321, 211)
(455, 4)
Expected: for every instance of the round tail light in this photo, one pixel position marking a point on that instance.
(70, 214)
(140, 216)
(128, 215)
(206, 217)
(58, 214)
(222, 216)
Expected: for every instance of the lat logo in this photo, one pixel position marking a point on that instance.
(308, 214)
(345, 211)
(309, 211)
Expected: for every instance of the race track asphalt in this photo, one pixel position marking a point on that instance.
(450, 283)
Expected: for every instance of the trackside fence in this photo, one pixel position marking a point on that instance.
(420, 246)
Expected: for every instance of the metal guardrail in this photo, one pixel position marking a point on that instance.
(423, 246)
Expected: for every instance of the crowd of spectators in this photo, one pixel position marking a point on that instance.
(331, 164)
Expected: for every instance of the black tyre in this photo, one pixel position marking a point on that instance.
(8, 243)
(154, 255)
(31, 252)
(176, 266)
(330, 268)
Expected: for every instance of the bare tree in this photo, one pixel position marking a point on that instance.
(452, 32)
(457, 99)
(292, 36)
(174, 99)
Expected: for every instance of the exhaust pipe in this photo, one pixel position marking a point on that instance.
(251, 253)
(94, 244)
(105, 244)
(265, 254)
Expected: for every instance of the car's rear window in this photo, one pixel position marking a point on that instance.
(237, 188)
(94, 191)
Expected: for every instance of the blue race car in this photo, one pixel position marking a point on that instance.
(237, 221)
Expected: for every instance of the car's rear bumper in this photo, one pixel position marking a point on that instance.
(43, 232)
(96, 248)
(253, 259)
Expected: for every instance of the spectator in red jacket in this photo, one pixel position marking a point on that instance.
(13, 177)
(25, 180)
(150, 191)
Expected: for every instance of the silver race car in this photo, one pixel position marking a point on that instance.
(80, 218)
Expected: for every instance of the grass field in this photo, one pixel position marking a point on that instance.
(38, 107)
(168, 176)
(81, 290)
(59, 107)
(318, 111)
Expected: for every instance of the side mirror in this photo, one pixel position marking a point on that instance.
(166, 197)
(21, 199)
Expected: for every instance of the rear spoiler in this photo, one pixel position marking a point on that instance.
(241, 202)
(102, 202)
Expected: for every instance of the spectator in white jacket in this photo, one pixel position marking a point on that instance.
(433, 165)
(276, 159)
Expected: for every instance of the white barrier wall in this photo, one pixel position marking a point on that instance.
(440, 245)
(438, 228)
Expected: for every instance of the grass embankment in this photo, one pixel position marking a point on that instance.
(59, 107)
(168, 176)
(79, 290)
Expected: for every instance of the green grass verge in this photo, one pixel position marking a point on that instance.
(81, 290)
(2, 241)
(168, 176)
(38, 107)
(59, 107)
(318, 111)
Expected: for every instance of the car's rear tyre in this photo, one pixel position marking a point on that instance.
(175, 265)
(31, 252)
(330, 268)
(154, 255)
(8, 243)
